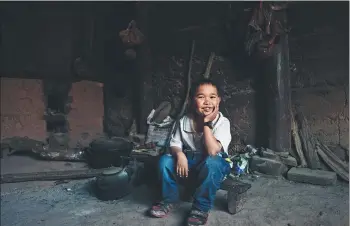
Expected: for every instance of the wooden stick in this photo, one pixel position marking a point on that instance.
(333, 157)
(50, 176)
(188, 89)
(344, 148)
(208, 68)
(332, 164)
(308, 143)
(297, 142)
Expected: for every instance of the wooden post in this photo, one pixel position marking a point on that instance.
(278, 96)
(144, 68)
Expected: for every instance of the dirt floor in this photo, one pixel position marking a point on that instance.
(270, 202)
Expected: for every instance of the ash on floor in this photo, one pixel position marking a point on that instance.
(270, 202)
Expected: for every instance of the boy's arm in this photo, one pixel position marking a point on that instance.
(219, 139)
(213, 146)
(176, 143)
(176, 151)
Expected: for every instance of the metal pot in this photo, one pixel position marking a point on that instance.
(107, 152)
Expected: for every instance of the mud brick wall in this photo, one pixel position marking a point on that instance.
(320, 54)
(237, 96)
(22, 108)
(320, 51)
(86, 115)
(327, 114)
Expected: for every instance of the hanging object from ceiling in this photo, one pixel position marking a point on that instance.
(131, 36)
(264, 29)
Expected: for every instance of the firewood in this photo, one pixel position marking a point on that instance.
(333, 164)
(297, 142)
(308, 143)
(332, 156)
(345, 149)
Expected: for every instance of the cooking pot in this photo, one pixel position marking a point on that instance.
(107, 152)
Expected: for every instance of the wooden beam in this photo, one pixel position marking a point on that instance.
(278, 97)
(144, 67)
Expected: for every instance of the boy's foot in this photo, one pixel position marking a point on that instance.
(161, 209)
(197, 217)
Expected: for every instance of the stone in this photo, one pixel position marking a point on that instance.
(268, 166)
(283, 154)
(269, 150)
(235, 201)
(317, 177)
(290, 161)
(268, 153)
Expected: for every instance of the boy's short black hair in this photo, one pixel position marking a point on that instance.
(204, 81)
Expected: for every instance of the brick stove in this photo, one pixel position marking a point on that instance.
(23, 108)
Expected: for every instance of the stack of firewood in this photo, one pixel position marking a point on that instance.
(310, 151)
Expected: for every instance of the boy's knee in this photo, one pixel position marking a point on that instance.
(213, 162)
(166, 162)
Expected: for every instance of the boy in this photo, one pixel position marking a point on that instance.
(197, 148)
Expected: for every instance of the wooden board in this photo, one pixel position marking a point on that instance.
(51, 176)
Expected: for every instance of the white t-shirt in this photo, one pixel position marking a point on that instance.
(187, 139)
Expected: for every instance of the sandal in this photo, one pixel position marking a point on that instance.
(197, 217)
(161, 209)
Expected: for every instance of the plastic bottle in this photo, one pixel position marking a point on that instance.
(240, 167)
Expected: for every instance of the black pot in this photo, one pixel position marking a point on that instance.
(105, 152)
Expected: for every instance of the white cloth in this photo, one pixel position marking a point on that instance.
(186, 139)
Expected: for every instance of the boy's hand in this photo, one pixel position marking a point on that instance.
(182, 165)
(212, 115)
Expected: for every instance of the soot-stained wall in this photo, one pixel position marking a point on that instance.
(319, 50)
(43, 40)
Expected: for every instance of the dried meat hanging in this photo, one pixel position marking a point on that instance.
(264, 30)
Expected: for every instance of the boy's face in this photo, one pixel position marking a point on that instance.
(206, 99)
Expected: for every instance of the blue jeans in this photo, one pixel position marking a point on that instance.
(206, 174)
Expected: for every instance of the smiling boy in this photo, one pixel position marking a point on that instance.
(197, 149)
